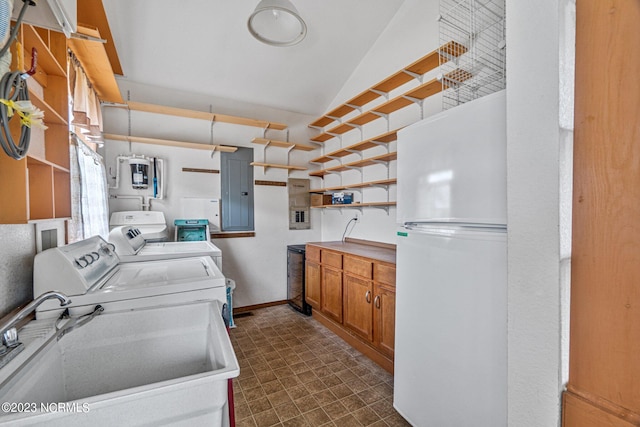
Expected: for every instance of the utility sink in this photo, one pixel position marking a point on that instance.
(149, 366)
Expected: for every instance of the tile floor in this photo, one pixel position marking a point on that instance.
(296, 372)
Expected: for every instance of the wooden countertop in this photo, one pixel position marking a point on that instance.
(361, 248)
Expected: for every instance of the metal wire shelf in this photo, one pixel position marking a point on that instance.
(478, 26)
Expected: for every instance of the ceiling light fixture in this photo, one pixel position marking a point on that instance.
(277, 23)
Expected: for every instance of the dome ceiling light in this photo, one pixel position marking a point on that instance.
(277, 23)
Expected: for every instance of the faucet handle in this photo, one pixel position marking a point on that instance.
(10, 338)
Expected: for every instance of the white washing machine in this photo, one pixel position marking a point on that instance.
(90, 273)
(130, 246)
(152, 224)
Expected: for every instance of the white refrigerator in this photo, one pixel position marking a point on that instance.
(451, 301)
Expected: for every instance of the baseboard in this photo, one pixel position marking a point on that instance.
(257, 306)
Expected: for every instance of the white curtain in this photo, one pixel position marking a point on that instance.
(87, 114)
(89, 187)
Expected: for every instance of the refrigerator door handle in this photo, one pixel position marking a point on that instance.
(367, 297)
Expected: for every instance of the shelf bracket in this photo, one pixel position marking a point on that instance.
(419, 102)
(385, 95)
(264, 131)
(379, 114)
(417, 76)
(289, 150)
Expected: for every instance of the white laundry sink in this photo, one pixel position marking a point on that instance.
(149, 366)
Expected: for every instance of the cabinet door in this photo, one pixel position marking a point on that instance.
(384, 317)
(332, 293)
(358, 296)
(312, 285)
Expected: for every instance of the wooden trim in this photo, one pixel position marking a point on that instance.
(604, 405)
(370, 243)
(200, 170)
(95, 62)
(271, 183)
(171, 143)
(354, 341)
(193, 114)
(232, 234)
(92, 12)
(258, 306)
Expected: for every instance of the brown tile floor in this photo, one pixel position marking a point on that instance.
(295, 372)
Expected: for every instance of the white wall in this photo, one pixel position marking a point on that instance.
(538, 191)
(412, 33)
(257, 264)
(16, 265)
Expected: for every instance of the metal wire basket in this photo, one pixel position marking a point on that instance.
(479, 68)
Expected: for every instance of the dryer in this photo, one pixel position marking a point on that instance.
(131, 246)
(90, 273)
(152, 224)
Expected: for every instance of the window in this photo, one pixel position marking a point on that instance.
(89, 193)
(236, 176)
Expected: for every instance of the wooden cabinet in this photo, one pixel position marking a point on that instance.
(312, 285)
(38, 186)
(357, 306)
(384, 318)
(357, 295)
(332, 293)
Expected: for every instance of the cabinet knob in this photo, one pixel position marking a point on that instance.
(376, 301)
(367, 296)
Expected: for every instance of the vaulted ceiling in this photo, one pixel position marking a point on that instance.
(203, 46)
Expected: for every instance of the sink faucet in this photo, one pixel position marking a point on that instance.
(8, 332)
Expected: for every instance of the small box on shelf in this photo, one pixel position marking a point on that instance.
(342, 198)
(320, 199)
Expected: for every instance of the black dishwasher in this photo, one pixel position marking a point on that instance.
(295, 278)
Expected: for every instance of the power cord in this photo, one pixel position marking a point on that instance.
(14, 88)
(352, 220)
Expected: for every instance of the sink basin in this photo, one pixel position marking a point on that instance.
(149, 366)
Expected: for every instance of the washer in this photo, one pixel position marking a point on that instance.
(90, 273)
(131, 246)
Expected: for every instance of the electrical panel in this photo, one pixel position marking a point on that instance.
(299, 204)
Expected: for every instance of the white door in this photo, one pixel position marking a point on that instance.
(451, 328)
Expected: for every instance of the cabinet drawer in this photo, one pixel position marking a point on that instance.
(358, 266)
(385, 274)
(332, 259)
(312, 253)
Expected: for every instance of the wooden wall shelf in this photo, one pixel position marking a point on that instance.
(38, 186)
(358, 205)
(385, 138)
(380, 183)
(171, 143)
(418, 93)
(51, 116)
(418, 68)
(283, 144)
(193, 114)
(278, 166)
(384, 158)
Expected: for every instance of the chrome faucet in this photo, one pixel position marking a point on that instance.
(10, 345)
